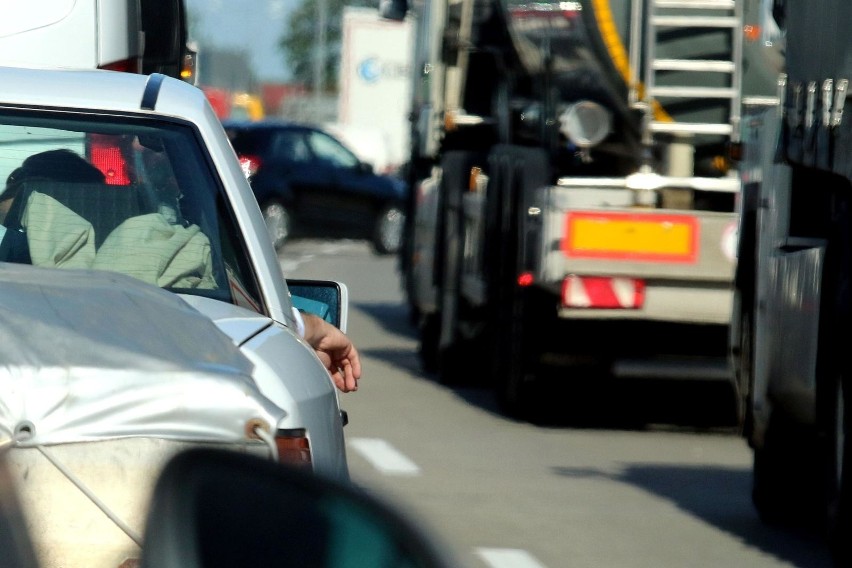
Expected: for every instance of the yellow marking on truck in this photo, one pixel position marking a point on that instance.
(618, 54)
(631, 236)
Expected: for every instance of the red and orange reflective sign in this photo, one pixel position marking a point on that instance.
(631, 236)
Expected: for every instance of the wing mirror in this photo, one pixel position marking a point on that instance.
(324, 298)
(214, 508)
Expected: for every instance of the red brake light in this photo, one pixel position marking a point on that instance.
(294, 448)
(250, 164)
(131, 65)
(525, 279)
(107, 156)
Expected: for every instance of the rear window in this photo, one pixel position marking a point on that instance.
(136, 197)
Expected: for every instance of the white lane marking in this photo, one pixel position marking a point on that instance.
(384, 457)
(508, 558)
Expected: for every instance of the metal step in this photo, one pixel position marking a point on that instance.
(691, 128)
(697, 4)
(707, 65)
(695, 21)
(693, 92)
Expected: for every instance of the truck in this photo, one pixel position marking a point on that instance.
(792, 310)
(137, 36)
(575, 205)
(374, 86)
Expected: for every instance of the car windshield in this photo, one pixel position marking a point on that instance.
(122, 194)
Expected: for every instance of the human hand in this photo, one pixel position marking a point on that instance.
(335, 350)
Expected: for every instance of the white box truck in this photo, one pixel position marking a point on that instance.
(375, 87)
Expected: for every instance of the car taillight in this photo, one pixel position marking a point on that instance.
(294, 448)
(130, 65)
(250, 164)
(106, 155)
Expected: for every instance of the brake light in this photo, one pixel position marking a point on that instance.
(106, 155)
(603, 292)
(526, 279)
(294, 448)
(130, 65)
(250, 164)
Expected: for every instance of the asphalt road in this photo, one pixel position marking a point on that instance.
(505, 494)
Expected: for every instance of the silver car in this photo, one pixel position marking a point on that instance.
(142, 308)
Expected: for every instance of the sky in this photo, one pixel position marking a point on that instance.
(251, 25)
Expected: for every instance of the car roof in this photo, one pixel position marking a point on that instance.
(100, 90)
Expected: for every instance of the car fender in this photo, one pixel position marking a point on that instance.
(288, 372)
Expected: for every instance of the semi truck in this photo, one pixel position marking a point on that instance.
(793, 309)
(574, 209)
(137, 36)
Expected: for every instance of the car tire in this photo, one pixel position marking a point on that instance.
(278, 222)
(387, 234)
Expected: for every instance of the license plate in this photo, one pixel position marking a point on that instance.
(631, 236)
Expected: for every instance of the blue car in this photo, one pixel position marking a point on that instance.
(308, 183)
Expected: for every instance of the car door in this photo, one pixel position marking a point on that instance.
(349, 202)
(297, 175)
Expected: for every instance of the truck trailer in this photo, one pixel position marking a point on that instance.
(575, 202)
(793, 309)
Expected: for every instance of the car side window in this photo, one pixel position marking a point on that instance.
(330, 150)
(291, 146)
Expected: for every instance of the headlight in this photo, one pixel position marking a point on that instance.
(585, 123)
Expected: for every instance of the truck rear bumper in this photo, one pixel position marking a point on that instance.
(689, 303)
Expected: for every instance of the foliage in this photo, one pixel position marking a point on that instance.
(299, 41)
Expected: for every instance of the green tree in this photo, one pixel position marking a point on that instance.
(298, 43)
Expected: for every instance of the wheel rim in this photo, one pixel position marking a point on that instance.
(277, 223)
(390, 229)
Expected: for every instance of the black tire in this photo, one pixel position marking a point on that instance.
(785, 483)
(388, 230)
(454, 342)
(837, 481)
(429, 331)
(514, 172)
(278, 222)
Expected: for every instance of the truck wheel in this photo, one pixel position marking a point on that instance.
(429, 330)
(784, 483)
(277, 220)
(514, 172)
(387, 234)
(837, 480)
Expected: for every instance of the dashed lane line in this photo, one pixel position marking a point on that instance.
(508, 558)
(384, 457)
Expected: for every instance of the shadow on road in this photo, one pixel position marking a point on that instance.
(574, 399)
(714, 495)
(392, 317)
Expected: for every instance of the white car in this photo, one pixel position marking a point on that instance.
(142, 308)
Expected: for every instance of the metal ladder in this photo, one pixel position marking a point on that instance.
(719, 14)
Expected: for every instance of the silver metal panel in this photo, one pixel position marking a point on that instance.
(91, 355)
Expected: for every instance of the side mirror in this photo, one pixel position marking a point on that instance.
(324, 298)
(214, 508)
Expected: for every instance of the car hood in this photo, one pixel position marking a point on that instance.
(91, 355)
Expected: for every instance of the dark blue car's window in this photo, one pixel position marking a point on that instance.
(331, 151)
(290, 146)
